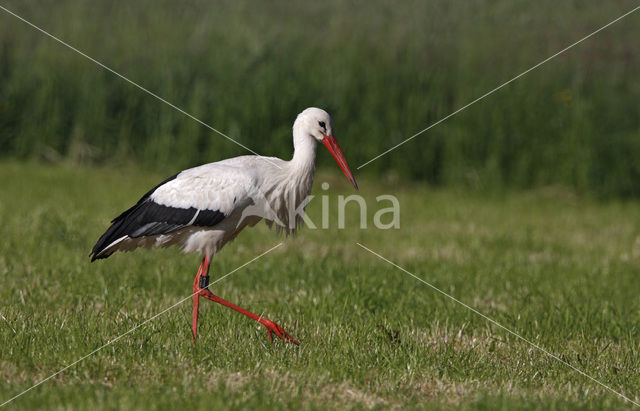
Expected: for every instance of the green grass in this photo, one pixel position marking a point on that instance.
(384, 72)
(560, 269)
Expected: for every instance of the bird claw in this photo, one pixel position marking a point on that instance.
(277, 330)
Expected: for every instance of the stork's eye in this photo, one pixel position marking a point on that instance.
(324, 126)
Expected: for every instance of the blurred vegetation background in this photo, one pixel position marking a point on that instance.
(384, 70)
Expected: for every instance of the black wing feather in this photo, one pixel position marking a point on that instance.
(148, 218)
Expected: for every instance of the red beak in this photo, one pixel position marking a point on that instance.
(331, 144)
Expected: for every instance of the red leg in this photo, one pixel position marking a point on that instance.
(202, 270)
(204, 292)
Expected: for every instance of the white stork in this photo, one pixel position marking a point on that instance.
(203, 208)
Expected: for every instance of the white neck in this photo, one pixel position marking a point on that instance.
(304, 150)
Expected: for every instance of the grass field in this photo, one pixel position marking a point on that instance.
(560, 269)
(557, 263)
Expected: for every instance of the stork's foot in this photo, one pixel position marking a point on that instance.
(277, 330)
(270, 325)
(201, 289)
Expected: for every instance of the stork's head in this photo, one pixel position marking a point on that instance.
(318, 124)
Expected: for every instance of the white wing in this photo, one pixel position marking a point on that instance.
(202, 197)
(215, 186)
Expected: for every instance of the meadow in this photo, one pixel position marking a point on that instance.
(384, 71)
(523, 206)
(559, 268)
